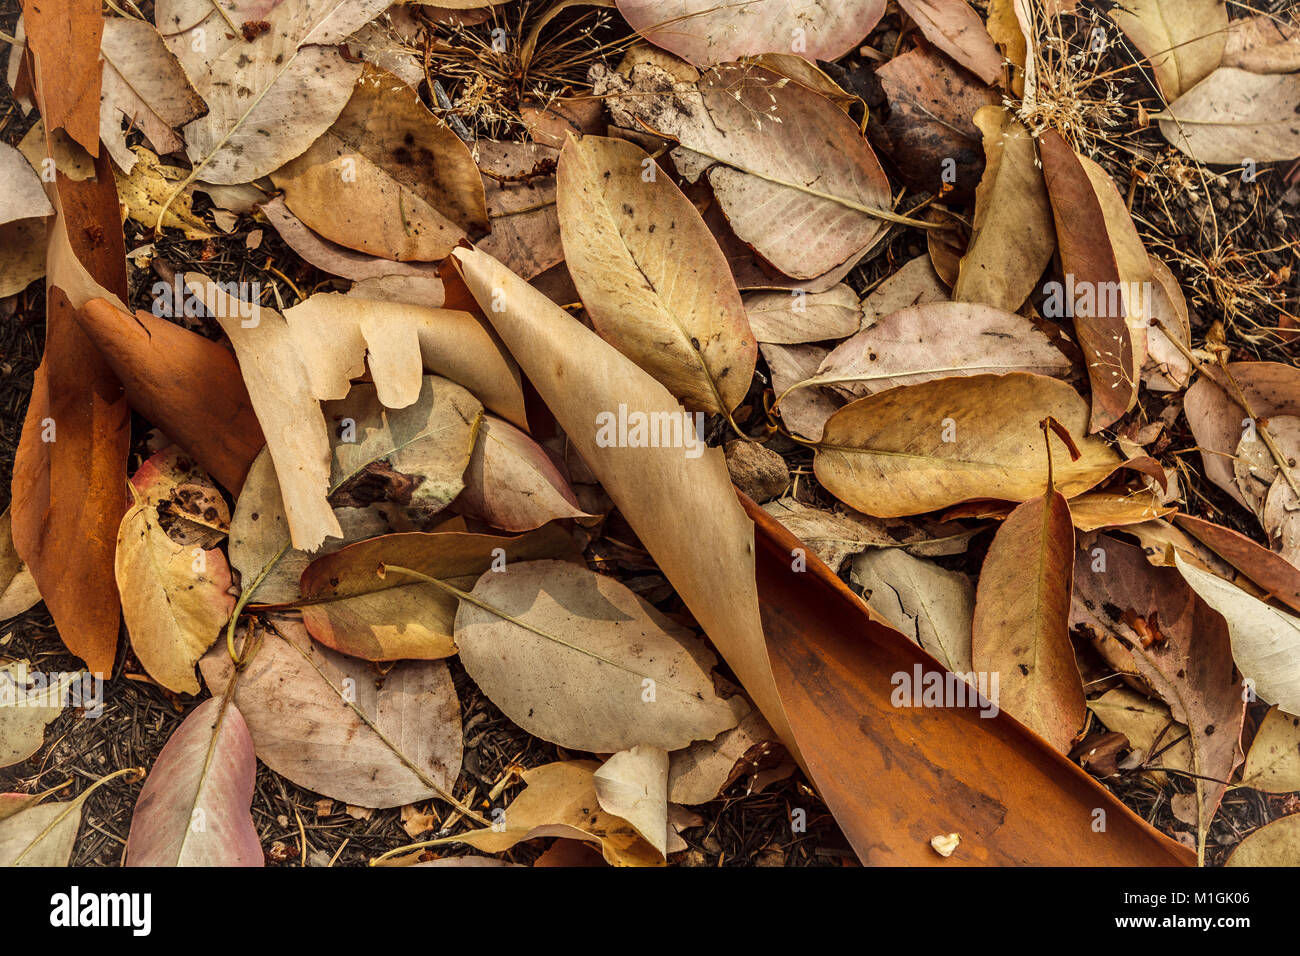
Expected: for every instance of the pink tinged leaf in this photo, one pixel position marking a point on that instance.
(195, 808)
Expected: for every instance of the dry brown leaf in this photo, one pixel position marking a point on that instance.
(1233, 117)
(175, 598)
(927, 128)
(578, 659)
(938, 340)
(700, 772)
(577, 375)
(1183, 40)
(275, 374)
(705, 32)
(1092, 295)
(341, 261)
(1186, 660)
(560, 801)
(355, 611)
(1265, 641)
(271, 97)
(932, 606)
(1145, 722)
(144, 85)
(915, 283)
(365, 184)
(760, 169)
(1218, 422)
(1277, 576)
(653, 280)
(1263, 44)
(335, 330)
(804, 411)
(1021, 621)
(187, 385)
(917, 448)
(38, 834)
(1274, 844)
(791, 317)
(1013, 235)
(959, 31)
(1273, 764)
(521, 205)
(325, 722)
(27, 707)
(512, 483)
(633, 785)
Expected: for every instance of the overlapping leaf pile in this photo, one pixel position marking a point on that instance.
(509, 381)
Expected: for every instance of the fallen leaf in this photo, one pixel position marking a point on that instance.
(187, 385)
(512, 483)
(1187, 658)
(938, 340)
(698, 773)
(577, 375)
(1021, 621)
(42, 834)
(1149, 727)
(325, 722)
(1093, 295)
(353, 610)
(560, 801)
(653, 280)
(341, 261)
(792, 317)
(886, 454)
(68, 488)
(1273, 764)
(633, 785)
(364, 182)
(804, 411)
(762, 140)
(63, 38)
(1262, 44)
(146, 189)
(1232, 116)
(27, 706)
(927, 129)
(576, 658)
(143, 84)
(174, 598)
(334, 331)
(21, 194)
(519, 184)
(17, 586)
(1277, 576)
(195, 806)
(931, 606)
(270, 97)
(1013, 235)
(705, 32)
(955, 28)
(1265, 641)
(915, 283)
(1182, 40)
(1274, 844)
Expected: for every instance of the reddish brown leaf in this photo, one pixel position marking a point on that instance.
(69, 494)
(187, 385)
(1089, 263)
(1270, 571)
(64, 35)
